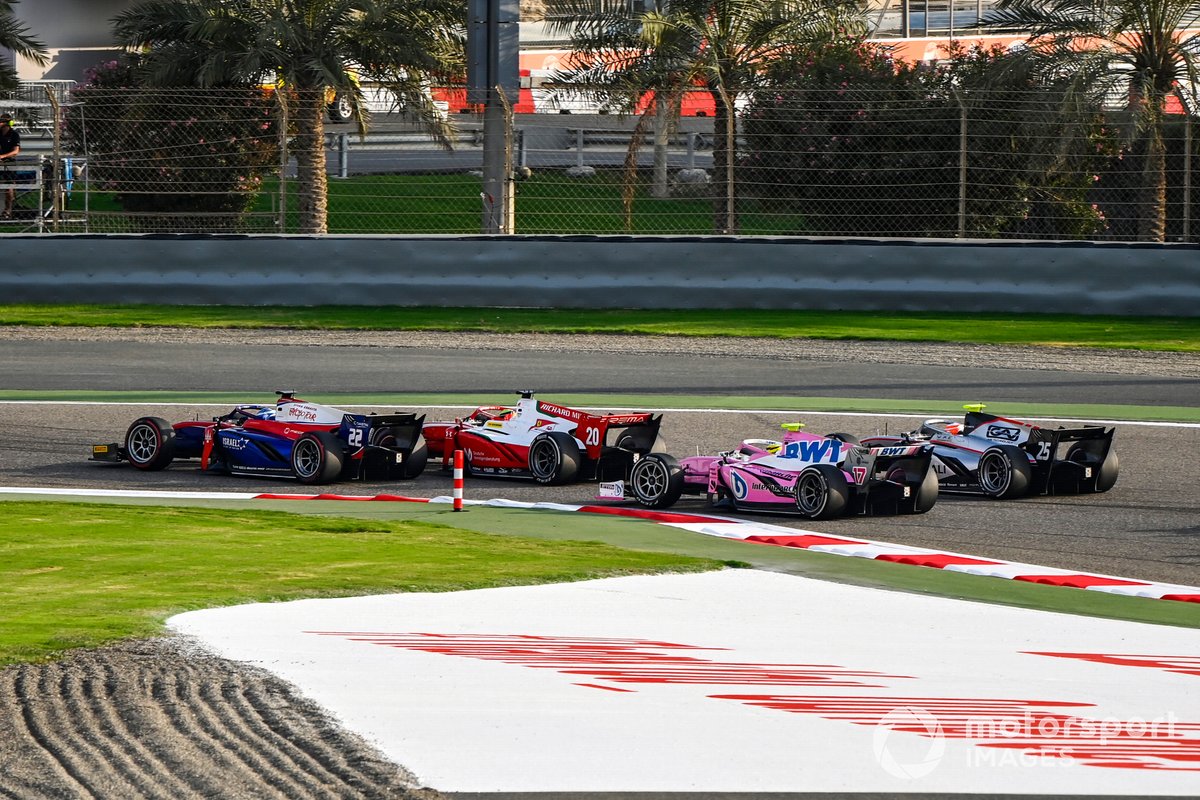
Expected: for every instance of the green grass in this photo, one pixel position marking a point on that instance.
(548, 203)
(786, 403)
(1046, 330)
(81, 575)
(352, 550)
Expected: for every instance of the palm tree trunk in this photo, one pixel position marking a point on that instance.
(724, 150)
(662, 129)
(1152, 200)
(312, 182)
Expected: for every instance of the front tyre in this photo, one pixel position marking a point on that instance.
(1004, 472)
(554, 459)
(150, 443)
(656, 480)
(822, 492)
(317, 458)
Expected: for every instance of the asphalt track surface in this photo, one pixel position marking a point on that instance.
(239, 365)
(1146, 527)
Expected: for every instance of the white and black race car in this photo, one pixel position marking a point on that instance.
(1007, 458)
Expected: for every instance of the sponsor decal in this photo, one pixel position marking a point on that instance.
(494, 425)
(894, 451)
(612, 489)
(825, 451)
(543, 423)
(1002, 433)
(560, 411)
(233, 442)
(738, 484)
(626, 419)
(300, 414)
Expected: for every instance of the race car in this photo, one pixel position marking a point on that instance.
(818, 477)
(1007, 458)
(549, 443)
(294, 438)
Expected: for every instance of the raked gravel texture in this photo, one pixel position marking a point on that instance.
(1058, 359)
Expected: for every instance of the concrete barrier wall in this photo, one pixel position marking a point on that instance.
(605, 272)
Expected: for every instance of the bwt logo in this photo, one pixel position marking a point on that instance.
(1000, 432)
(815, 452)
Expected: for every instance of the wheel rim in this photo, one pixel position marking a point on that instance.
(543, 458)
(142, 444)
(994, 473)
(306, 458)
(649, 479)
(810, 493)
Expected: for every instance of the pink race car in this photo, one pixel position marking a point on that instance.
(818, 477)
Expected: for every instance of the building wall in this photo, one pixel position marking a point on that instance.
(77, 32)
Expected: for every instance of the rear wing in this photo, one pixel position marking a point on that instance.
(402, 429)
(1046, 447)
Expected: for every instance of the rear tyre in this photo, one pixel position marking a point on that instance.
(150, 443)
(656, 480)
(317, 458)
(927, 493)
(822, 492)
(1106, 472)
(1004, 472)
(414, 465)
(554, 459)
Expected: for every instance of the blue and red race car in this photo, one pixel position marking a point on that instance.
(310, 442)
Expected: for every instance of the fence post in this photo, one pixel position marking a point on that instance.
(579, 147)
(962, 166)
(343, 155)
(1187, 177)
(283, 158)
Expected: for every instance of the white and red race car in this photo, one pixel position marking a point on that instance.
(549, 443)
(1007, 458)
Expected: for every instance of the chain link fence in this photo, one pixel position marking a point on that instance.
(990, 165)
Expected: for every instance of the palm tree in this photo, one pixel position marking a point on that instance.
(719, 45)
(314, 48)
(15, 37)
(1138, 50)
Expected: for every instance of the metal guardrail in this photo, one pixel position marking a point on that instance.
(607, 272)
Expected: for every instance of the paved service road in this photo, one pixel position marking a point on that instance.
(260, 362)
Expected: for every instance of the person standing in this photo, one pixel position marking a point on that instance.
(10, 147)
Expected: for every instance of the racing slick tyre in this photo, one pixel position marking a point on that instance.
(656, 480)
(341, 110)
(414, 465)
(926, 495)
(417, 458)
(822, 492)
(1004, 472)
(554, 458)
(628, 442)
(317, 458)
(1106, 476)
(150, 443)
(848, 438)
